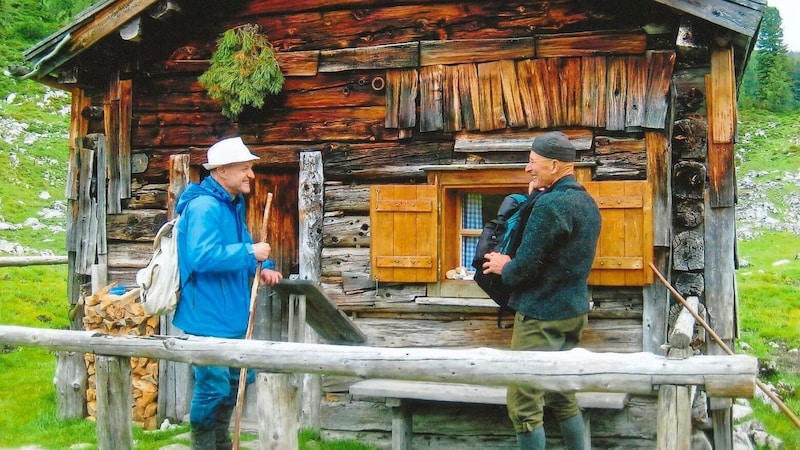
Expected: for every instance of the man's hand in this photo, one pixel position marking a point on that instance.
(270, 277)
(495, 262)
(261, 251)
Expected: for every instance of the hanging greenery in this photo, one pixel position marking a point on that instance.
(243, 70)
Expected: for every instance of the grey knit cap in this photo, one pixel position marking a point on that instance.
(554, 145)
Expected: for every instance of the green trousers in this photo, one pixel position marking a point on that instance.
(525, 404)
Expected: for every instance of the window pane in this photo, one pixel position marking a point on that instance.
(472, 212)
(468, 244)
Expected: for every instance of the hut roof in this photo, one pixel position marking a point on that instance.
(742, 17)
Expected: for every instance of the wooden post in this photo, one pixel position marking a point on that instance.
(114, 399)
(674, 430)
(683, 330)
(70, 382)
(402, 428)
(175, 381)
(277, 411)
(310, 208)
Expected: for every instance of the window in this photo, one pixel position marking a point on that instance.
(419, 232)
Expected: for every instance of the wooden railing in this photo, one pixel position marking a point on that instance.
(576, 370)
(20, 261)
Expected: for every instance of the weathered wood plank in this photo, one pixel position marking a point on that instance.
(469, 90)
(519, 141)
(347, 231)
(659, 162)
(590, 43)
(512, 98)
(721, 103)
(571, 91)
(532, 104)
(407, 102)
(125, 119)
(492, 115)
(109, 157)
(451, 99)
(616, 93)
(85, 229)
(431, 84)
(550, 83)
(333, 124)
(136, 225)
(346, 198)
(593, 79)
(739, 18)
(298, 64)
(126, 254)
(464, 51)
(635, 94)
(392, 56)
(719, 270)
(660, 65)
(385, 161)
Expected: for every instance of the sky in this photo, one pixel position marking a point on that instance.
(790, 12)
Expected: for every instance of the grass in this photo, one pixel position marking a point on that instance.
(769, 286)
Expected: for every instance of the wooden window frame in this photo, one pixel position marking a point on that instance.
(624, 249)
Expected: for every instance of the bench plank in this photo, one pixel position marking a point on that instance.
(469, 393)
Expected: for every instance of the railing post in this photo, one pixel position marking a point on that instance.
(674, 429)
(114, 400)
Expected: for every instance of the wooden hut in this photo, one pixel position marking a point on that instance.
(420, 112)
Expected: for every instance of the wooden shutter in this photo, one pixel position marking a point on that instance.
(625, 248)
(403, 230)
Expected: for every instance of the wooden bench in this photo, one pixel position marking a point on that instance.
(399, 395)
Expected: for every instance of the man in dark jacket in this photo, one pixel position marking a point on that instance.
(548, 276)
(218, 260)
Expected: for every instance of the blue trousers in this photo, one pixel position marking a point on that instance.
(214, 386)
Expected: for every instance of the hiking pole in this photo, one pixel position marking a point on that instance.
(724, 347)
(250, 323)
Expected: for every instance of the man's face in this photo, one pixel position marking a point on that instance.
(235, 178)
(542, 170)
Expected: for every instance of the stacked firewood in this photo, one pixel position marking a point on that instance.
(123, 315)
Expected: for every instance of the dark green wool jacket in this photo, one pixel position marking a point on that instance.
(548, 274)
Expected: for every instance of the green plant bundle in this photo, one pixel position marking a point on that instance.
(243, 70)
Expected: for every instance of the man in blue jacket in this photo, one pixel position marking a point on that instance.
(217, 259)
(548, 277)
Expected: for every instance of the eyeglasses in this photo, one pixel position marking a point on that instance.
(539, 160)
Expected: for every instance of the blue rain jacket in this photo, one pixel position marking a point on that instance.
(217, 265)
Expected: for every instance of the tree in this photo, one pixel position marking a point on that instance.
(774, 83)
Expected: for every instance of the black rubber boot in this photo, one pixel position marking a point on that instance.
(204, 439)
(573, 430)
(222, 427)
(531, 440)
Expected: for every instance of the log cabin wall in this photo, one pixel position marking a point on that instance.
(383, 91)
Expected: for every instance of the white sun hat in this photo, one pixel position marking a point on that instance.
(228, 151)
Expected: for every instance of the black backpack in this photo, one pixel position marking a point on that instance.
(502, 234)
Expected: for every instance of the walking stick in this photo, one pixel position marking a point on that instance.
(250, 323)
(724, 347)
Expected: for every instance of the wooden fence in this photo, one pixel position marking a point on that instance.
(578, 369)
(20, 261)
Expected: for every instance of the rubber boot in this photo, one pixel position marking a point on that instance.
(573, 430)
(204, 439)
(531, 440)
(222, 427)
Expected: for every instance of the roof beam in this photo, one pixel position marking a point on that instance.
(105, 22)
(741, 16)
